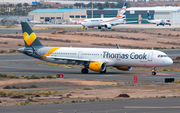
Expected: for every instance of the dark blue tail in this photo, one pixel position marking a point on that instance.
(30, 38)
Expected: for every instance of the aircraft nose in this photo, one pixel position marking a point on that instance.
(169, 61)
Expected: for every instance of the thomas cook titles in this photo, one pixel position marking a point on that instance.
(132, 55)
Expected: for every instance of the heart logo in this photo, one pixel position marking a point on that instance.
(29, 39)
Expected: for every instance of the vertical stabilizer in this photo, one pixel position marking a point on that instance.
(122, 12)
(30, 38)
(149, 16)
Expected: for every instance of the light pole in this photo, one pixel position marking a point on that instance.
(92, 9)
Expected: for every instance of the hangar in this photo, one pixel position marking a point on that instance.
(168, 13)
(132, 14)
(63, 15)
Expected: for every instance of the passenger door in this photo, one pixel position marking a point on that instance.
(80, 54)
(150, 56)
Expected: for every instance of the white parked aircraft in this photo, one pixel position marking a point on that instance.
(75, 22)
(105, 22)
(34, 22)
(95, 59)
(158, 21)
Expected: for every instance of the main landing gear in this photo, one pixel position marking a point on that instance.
(83, 27)
(153, 71)
(84, 70)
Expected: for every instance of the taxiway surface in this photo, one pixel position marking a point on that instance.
(19, 64)
(72, 27)
(158, 105)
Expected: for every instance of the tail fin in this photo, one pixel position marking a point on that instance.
(70, 19)
(30, 38)
(123, 11)
(149, 16)
(28, 20)
(80, 19)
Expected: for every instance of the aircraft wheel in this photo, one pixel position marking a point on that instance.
(103, 71)
(157, 24)
(169, 24)
(99, 27)
(84, 70)
(153, 73)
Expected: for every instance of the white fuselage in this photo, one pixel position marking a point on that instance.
(35, 22)
(76, 22)
(95, 22)
(159, 22)
(112, 57)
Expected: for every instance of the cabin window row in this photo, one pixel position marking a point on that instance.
(91, 54)
(64, 53)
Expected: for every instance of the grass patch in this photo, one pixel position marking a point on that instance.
(87, 88)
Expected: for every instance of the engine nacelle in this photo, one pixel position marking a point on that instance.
(124, 68)
(108, 26)
(97, 66)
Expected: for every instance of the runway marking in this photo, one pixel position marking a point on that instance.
(158, 74)
(110, 75)
(150, 107)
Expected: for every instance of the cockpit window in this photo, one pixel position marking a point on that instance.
(162, 56)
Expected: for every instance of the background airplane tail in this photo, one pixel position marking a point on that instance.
(30, 38)
(149, 16)
(28, 20)
(123, 11)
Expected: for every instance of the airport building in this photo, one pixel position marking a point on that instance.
(167, 13)
(63, 15)
(134, 14)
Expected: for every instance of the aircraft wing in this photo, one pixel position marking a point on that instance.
(76, 59)
(66, 58)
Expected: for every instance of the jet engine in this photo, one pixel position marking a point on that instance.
(124, 68)
(108, 26)
(97, 66)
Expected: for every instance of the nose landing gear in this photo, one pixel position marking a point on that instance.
(153, 71)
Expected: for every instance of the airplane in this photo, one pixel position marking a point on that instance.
(34, 22)
(75, 22)
(95, 59)
(105, 22)
(158, 21)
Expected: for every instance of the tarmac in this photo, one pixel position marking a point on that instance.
(19, 64)
(157, 105)
(74, 27)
